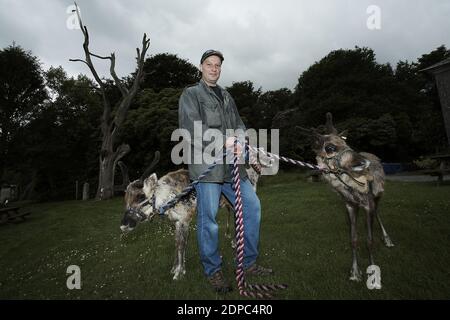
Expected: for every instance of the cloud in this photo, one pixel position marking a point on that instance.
(267, 42)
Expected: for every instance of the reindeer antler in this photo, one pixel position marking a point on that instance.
(306, 130)
(329, 124)
(150, 167)
(310, 131)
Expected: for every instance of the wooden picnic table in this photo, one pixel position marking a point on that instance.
(11, 214)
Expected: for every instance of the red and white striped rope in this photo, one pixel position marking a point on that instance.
(285, 159)
(260, 291)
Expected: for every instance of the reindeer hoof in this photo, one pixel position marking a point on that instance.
(176, 276)
(388, 242)
(178, 273)
(355, 275)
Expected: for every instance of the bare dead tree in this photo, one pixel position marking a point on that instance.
(111, 152)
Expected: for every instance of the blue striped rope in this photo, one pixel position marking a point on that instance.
(191, 186)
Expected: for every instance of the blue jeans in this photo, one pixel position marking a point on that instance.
(208, 197)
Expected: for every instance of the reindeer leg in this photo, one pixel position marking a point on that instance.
(175, 260)
(373, 271)
(386, 239)
(185, 235)
(355, 273)
(180, 240)
(227, 232)
(370, 211)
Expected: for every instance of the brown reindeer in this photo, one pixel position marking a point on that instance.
(359, 179)
(144, 196)
(158, 192)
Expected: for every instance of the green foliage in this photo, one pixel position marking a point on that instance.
(166, 70)
(387, 112)
(60, 145)
(22, 94)
(246, 97)
(269, 104)
(50, 133)
(426, 163)
(149, 127)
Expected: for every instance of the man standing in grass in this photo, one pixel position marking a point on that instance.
(214, 107)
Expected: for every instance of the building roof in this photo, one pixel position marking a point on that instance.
(437, 66)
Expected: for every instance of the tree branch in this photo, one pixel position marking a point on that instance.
(125, 103)
(100, 57)
(79, 60)
(118, 82)
(107, 106)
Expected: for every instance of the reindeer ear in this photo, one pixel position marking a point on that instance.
(149, 184)
(150, 181)
(363, 165)
(343, 134)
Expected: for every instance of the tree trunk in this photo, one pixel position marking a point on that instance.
(106, 178)
(108, 162)
(112, 121)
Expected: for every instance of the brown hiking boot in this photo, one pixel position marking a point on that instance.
(219, 283)
(257, 270)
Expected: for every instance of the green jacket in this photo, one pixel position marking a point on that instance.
(200, 103)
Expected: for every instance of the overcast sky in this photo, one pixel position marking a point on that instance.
(268, 42)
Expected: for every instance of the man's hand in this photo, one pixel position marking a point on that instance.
(230, 144)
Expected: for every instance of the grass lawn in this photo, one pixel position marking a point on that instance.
(304, 237)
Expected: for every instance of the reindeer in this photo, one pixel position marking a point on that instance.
(144, 196)
(358, 178)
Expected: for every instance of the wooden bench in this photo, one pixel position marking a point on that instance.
(12, 214)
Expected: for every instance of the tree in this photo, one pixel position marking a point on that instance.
(149, 127)
(246, 97)
(111, 122)
(166, 70)
(22, 94)
(269, 104)
(417, 97)
(59, 145)
(383, 109)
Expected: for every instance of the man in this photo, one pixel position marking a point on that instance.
(215, 108)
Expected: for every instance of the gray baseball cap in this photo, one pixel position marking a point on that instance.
(210, 53)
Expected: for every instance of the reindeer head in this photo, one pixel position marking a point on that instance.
(332, 151)
(138, 199)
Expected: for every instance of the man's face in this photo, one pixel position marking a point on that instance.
(210, 69)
